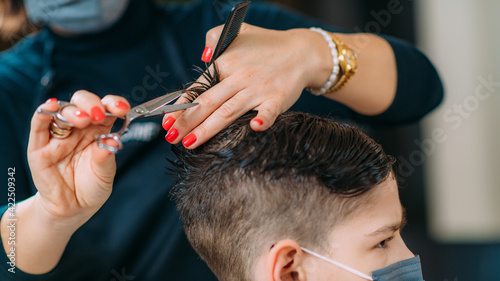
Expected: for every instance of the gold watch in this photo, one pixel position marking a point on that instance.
(348, 62)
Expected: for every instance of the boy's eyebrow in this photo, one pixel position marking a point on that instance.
(391, 228)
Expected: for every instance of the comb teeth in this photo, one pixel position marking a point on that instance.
(231, 28)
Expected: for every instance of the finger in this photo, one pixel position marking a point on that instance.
(227, 113)
(79, 118)
(212, 38)
(40, 124)
(209, 102)
(210, 42)
(116, 105)
(91, 104)
(169, 119)
(103, 165)
(267, 114)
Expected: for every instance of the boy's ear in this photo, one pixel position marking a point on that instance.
(285, 262)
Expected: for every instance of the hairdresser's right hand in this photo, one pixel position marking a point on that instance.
(73, 176)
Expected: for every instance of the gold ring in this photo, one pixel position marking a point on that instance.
(60, 131)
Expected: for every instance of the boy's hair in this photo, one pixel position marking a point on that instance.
(243, 191)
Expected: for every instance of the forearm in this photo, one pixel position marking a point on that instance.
(38, 242)
(372, 89)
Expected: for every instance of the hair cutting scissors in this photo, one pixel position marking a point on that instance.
(154, 107)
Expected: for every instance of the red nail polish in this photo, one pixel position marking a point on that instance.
(207, 54)
(258, 121)
(189, 140)
(81, 113)
(51, 100)
(168, 123)
(121, 105)
(97, 113)
(172, 135)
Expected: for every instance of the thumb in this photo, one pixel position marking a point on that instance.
(103, 164)
(212, 37)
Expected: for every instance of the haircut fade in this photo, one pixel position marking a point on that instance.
(243, 191)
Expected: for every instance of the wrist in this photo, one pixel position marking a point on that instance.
(318, 62)
(39, 239)
(62, 224)
(345, 62)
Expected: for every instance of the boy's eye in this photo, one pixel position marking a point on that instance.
(384, 244)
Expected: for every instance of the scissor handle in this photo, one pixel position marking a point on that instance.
(117, 137)
(114, 136)
(58, 118)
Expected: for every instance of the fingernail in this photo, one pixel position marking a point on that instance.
(258, 121)
(168, 123)
(51, 100)
(189, 140)
(172, 135)
(81, 113)
(121, 105)
(97, 113)
(207, 54)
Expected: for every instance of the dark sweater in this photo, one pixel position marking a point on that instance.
(137, 234)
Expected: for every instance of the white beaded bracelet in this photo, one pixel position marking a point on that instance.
(336, 67)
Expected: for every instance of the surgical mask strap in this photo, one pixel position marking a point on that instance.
(345, 267)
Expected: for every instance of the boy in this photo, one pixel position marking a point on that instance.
(287, 203)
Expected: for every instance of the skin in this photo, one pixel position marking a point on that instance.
(369, 240)
(264, 70)
(74, 177)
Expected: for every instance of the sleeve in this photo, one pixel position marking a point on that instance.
(8, 269)
(19, 70)
(419, 88)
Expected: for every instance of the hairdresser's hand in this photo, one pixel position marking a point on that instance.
(74, 176)
(262, 70)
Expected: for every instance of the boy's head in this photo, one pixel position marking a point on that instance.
(250, 200)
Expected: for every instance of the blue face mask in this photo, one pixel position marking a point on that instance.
(76, 16)
(405, 270)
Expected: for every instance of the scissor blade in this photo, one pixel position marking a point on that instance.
(171, 108)
(158, 102)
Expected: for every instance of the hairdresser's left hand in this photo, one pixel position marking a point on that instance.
(263, 70)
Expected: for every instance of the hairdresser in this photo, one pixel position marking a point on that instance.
(136, 50)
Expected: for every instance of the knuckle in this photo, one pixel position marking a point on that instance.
(224, 66)
(213, 34)
(273, 109)
(280, 95)
(245, 26)
(81, 96)
(181, 123)
(80, 93)
(205, 100)
(226, 110)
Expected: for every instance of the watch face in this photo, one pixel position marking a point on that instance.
(350, 58)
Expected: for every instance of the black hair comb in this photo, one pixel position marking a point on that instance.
(229, 33)
(231, 28)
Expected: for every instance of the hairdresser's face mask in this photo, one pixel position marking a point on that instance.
(405, 270)
(76, 16)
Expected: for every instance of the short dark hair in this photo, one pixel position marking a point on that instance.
(244, 190)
